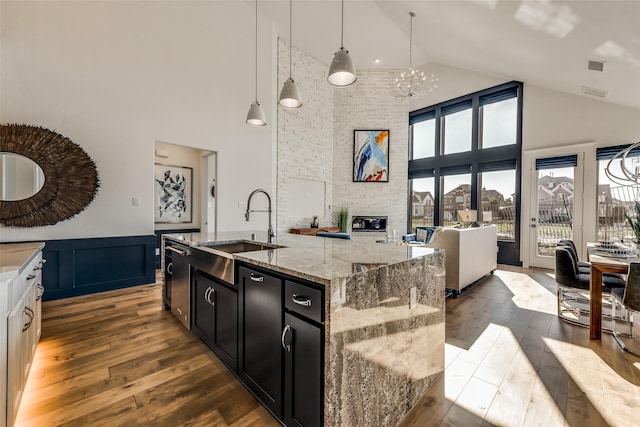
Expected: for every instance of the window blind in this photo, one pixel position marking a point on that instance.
(607, 153)
(570, 161)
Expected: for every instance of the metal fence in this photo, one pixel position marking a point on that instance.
(613, 204)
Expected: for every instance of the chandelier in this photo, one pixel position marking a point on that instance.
(413, 83)
(629, 168)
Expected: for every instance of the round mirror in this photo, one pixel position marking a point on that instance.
(20, 177)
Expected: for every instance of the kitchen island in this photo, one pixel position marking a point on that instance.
(383, 317)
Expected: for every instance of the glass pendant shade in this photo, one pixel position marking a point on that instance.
(289, 95)
(256, 116)
(342, 72)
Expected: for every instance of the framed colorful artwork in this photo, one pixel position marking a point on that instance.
(371, 156)
(173, 198)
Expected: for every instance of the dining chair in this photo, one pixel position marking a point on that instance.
(573, 288)
(629, 299)
(583, 266)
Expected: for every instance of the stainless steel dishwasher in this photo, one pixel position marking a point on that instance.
(181, 283)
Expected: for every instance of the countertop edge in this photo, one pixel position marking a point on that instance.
(9, 272)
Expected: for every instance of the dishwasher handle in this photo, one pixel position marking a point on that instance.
(178, 251)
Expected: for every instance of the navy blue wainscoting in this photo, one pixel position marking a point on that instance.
(85, 266)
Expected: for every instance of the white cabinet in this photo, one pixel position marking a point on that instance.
(20, 326)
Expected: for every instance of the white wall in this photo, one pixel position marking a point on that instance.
(116, 76)
(552, 118)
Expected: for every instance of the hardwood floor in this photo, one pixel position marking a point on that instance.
(117, 359)
(511, 362)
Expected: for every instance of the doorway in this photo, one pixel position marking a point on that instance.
(556, 204)
(209, 209)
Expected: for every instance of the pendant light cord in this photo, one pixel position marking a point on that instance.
(290, 39)
(256, 51)
(411, 36)
(342, 28)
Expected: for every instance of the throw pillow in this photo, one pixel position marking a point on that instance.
(435, 233)
(424, 233)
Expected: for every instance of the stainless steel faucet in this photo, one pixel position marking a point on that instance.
(270, 233)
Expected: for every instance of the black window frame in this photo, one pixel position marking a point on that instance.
(474, 161)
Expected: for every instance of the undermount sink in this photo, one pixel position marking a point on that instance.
(216, 258)
(240, 246)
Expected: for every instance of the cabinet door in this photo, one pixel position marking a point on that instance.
(203, 309)
(260, 366)
(38, 307)
(16, 357)
(303, 375)
(225, 339)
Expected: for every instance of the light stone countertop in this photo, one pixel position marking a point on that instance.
(384, 329)
(318, 259)
(14, 257)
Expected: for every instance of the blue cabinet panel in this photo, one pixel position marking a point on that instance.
(84, 266)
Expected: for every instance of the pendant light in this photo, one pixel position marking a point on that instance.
(342, 73)
(256, 116)
(289, 95)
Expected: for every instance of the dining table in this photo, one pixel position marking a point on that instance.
(602, 261)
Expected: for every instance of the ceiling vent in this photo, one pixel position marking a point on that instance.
(595, 65)
(594, 92)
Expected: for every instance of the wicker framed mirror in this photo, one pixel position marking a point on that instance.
(70, 177)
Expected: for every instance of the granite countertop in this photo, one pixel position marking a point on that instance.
(14, 257)
(318, 259)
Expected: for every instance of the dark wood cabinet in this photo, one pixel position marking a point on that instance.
(303, 372)
(261, 354)
(215, 317)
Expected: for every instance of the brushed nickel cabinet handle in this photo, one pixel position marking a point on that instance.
(286, 346)
(256, 278)
(301, 300)
(31, 315)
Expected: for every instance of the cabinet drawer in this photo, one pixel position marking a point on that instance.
(258, 276)
(304, 300)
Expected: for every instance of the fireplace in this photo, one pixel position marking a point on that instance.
(369, 223)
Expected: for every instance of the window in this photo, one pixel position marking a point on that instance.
(616, 197)
(424, 139)
(422, 191)
(457, 132)
(499, 124)
(470, 148)
(457, 196)
(497, 194)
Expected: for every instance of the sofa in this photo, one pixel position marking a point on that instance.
(471, 253)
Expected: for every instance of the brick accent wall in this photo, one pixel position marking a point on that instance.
(315, 143)
(305, 140)
(367, 105)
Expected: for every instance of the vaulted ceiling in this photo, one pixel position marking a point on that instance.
(541, 42)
